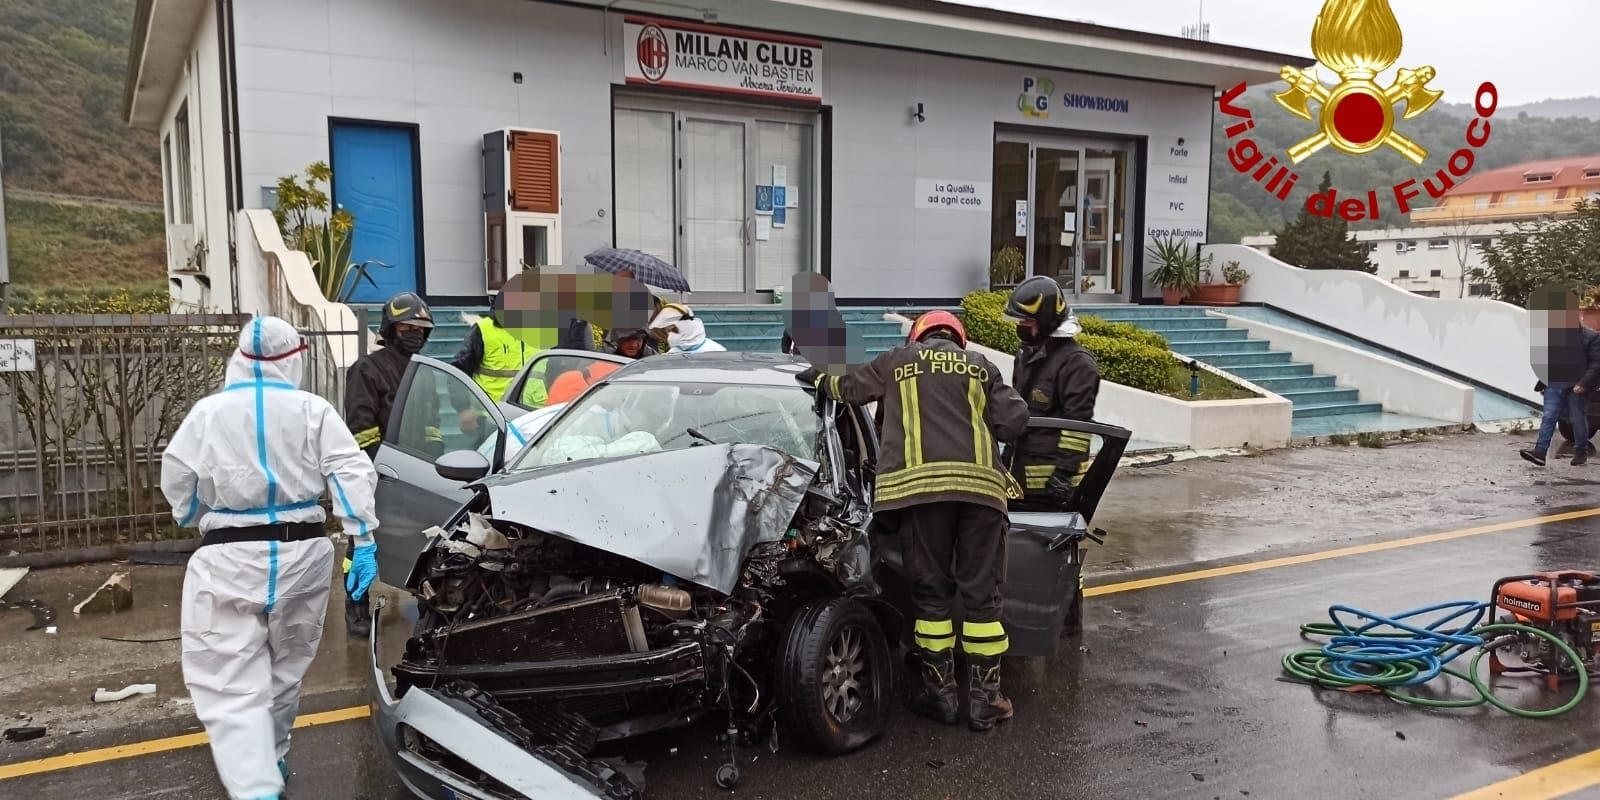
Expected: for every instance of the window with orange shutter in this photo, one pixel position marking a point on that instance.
(535, 173)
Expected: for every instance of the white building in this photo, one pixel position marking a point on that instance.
(909, 140)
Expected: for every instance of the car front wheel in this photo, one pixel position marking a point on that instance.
(835, 676)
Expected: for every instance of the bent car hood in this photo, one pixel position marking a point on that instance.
(693, 513)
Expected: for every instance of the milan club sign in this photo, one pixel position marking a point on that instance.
(687, 55)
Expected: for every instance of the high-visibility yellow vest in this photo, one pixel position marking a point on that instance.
(505, 352)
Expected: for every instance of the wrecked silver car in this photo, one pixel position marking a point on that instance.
(687, 540)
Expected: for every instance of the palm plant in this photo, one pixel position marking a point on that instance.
(302, 216)
(1177, 268)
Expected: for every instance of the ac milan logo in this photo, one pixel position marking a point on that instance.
(652, 53)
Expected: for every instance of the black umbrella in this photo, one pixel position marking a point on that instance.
(646, 268)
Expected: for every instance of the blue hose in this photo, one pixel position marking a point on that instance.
(1428, 646)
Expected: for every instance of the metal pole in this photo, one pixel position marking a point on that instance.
(5, 264)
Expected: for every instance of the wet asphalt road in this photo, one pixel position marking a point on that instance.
(1171, 692)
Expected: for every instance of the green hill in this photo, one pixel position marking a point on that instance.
(61, 70)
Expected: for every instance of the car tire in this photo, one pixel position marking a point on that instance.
(832, 645)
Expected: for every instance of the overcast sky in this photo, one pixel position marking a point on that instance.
(1529, 48)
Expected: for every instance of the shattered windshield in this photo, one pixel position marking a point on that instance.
(621, 419)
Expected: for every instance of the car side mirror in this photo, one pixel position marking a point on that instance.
(464, 466)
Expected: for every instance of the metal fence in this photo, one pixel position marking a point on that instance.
(87, 404)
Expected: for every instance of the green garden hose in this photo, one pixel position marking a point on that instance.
(1387, 654)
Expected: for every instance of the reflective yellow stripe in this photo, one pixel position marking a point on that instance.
(941, 486)
(935, 635)
(499, 373)
(368, 437)
(1072, 440)
(984, 638)
(347, 566)
(834, 387)
(982, 449)
(1038, 483)
(432, 434)
(939, 467)
(1036, 470)
(911, 422)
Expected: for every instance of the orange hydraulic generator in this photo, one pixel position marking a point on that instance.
(1564, 603)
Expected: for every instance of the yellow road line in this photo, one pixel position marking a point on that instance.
(1546, 783)
(87, 757)
(1342, 552)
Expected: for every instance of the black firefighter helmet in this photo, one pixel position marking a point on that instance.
(405, 307)
(1040, 300)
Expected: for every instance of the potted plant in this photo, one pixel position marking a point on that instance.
(1176, 269)
(1225, 293)
(1005, 271)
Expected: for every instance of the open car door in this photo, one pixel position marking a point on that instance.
(437, 410)
(1044, 550)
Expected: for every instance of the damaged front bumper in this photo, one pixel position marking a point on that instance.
(444, 748)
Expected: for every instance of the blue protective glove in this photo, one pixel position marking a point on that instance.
(363, 571)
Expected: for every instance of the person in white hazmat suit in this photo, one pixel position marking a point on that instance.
(249, 464)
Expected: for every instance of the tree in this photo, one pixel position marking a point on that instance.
(1460, 229)
(1321, 243)
(1562, 250)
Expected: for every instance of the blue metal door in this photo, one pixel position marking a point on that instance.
(375, 179)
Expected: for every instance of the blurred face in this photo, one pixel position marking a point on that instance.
(630, 347)
(1027, 328)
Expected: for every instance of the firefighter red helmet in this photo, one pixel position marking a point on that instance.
(938, 320)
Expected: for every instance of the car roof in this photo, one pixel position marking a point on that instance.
(747, 369)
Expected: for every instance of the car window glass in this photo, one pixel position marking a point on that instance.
(619, 419)
(440, 414)
(556, 379)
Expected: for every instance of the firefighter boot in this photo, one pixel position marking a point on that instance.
(986, 706)
(939, 697)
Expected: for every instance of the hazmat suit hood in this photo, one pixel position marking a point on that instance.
(270, 351)
(689, 335)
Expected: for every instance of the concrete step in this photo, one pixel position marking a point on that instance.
(1335, 409)
(1317, 397)
(1208, 335)
(1251, 372)
(1281, 385)
(1225, 346)
(1129, 311)
(1166, 326)
(1227, 361)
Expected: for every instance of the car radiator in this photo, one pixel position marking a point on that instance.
(599, 625)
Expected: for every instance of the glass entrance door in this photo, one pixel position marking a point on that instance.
(722, 191)
(1063, 205)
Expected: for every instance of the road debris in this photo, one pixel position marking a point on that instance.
(1400, 735)
(44, 614)
(115, 595)
(142, 641)
(1197, 776)
(103, 696)
(23, 734)
(1141, 723)
(9, 577)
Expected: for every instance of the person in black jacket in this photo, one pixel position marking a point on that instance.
(946, 410)
(1566, 356)
(370, 388)
(1058, 378)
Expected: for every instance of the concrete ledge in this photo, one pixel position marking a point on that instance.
(1401, 388)
(276, 280)
(1481, 340)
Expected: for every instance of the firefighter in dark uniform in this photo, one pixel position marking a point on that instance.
(370, 387)
(1058, 378)
(945, 409)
